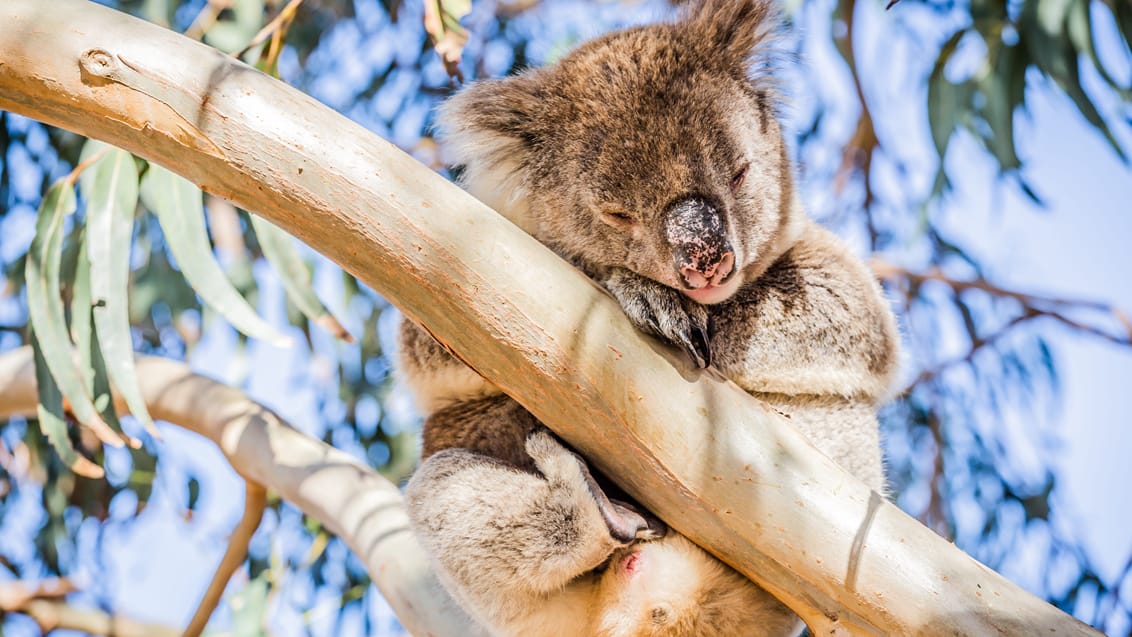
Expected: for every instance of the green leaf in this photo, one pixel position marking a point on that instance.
(1004, 90)
(1122, 11)
(179, 207)
(1043, 29)
(194, 494)
(279, 250)
(249, 608)
(92, 366)
(1079, 27)
(946, 100)
(52, 421)
(233, 33)
(110, 188)
(45, 307)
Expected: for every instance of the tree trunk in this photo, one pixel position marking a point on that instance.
(713, 462)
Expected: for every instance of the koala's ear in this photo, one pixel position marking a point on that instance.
(739, 30)
(491, 120)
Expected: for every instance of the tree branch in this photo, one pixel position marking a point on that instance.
(43, 602)
(255, 502)
(350, 499)
(1033, 307)
(710, 460)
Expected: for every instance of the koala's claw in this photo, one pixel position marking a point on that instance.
(626, 522)
(701, 349)
(647, 526)
(664, 312)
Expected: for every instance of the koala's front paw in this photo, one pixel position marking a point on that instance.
(662, 311)
(560, 466)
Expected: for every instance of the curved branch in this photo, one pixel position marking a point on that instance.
(350, 499)
(255, 502)
(43, 602)
(56, 615)
(711, 461)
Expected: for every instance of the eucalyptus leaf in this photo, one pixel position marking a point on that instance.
(249, 608)
(1002, 97)
(179, 207)
(1044, 32)
(1079, 28)
(45, 307)
(279, 250)
(244, 21)
(52, 421)
(92, 366)
(110, 188)
(945, 98)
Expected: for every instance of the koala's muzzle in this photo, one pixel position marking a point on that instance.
(701, 252)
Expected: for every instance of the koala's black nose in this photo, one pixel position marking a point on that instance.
(702, 253)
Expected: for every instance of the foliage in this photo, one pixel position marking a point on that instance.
(375, 62)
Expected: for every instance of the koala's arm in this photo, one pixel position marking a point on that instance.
(815, 323)
(504, 536)
(815, 337)
(659, 310)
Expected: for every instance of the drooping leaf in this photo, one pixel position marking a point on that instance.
(945, 98)
(179, 208)
(110, 188)
(442, 23)
(92, 366)
(45, 307)
(249, 608)
(52, 421)
(279, 250)
(1079, 28)
(193, 495)
(1044, 32)
(236, 26)
(1004, 89)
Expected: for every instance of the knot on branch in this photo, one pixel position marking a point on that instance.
(99, 63)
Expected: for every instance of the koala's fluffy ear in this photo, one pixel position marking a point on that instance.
(490, 121)
(738, 30)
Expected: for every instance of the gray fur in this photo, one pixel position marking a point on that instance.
(616, 157)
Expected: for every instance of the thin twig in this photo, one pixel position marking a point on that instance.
(1033, 306)
(54, 615)
(890, 271)
(206, 18)
(863, 144)
(279, 23)
(255, 501)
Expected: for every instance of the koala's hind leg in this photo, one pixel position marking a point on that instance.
(492, 527)
(626, 522)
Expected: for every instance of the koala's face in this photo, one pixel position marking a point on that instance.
(671, 588)
(650, 149)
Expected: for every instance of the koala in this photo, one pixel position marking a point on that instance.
(653, 159)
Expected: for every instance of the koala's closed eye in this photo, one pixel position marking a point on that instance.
(738, 177)
(617, 218)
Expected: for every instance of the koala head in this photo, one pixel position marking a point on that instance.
(671, 588)
(655, 149)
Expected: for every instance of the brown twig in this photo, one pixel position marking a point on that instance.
(890, 271)
(278, 24)
(255, 501)
(857, 156)
(54, 615)
(15, 595)
(935, 517)
(1033, 306)
(206, 18)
